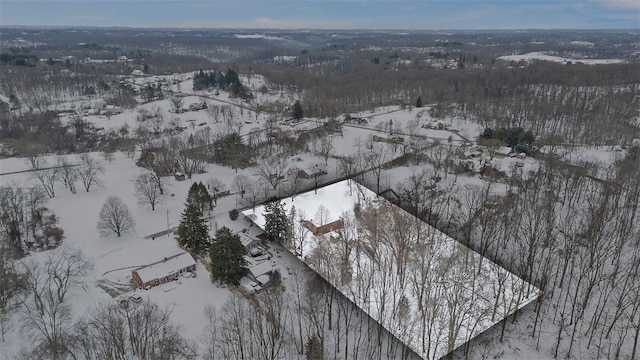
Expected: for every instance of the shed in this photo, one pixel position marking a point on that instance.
(179, 176)
(165, 270)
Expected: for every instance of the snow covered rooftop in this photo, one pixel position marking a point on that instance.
(165, 267)
(262, 268)
(246, 240)
(437, 297)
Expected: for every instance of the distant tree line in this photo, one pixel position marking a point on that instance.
(18, 59)
(218, 80)
(517, 138)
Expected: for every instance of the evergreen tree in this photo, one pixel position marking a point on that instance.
(419, 102)
(227, 257)
(298, 114)
(193, 230)
(276, 222)
(199, 196)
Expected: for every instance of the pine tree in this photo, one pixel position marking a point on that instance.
(419, 102)
(276, 222)
(193, 230)
(227, 257)
(200, 197)
(298, 114)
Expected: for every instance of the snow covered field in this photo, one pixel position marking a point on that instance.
(115, 257)
(544, 57)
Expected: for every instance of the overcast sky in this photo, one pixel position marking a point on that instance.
(321, 14)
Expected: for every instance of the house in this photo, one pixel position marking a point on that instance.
(249, 242)
(313, 171)
(503, 151)
(179, 176)
(165, 270)
(198, 106)
(393, 140)
(261, 271)
(323, 229)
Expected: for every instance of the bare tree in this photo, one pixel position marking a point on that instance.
(65, 267)
(12, 284)
(254, 190)
(272, 169)
(211, 336)
(177, 102)
(115, 217)
(214, 112)
(48, 178)
(142, 330)
(240, 184)
(376, 158)
(68, 174)
(325, 148)
(215, 186)
(147, 189)
(88, 171)
(46, 320)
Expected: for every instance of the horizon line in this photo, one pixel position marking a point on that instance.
(125, 27)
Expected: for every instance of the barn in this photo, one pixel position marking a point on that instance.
(165, 270)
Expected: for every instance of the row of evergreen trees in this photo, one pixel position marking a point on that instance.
(225, 249)
(517, 138)
(193, 231)
(218, 80)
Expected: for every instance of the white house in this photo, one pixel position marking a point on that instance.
(249, 242)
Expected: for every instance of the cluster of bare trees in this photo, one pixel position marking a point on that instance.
(574, 232)
(426, 289)
(25, 222)
(34, 292)
(571, 114)
(570, 229)
(44, 315)
(167, 156)
(86, 170)
(118, 332)
(309, 318)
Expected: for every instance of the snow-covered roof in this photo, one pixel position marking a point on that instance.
(246, 240)
(504, 150)
(262, 268)
(263, 279)
(450, 273)
(165, 267)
